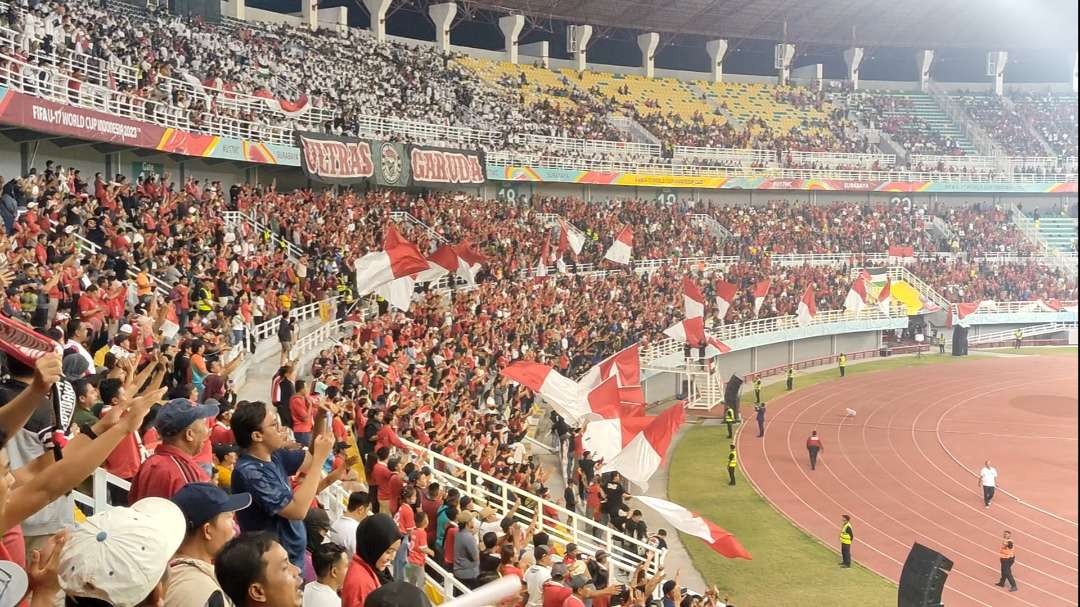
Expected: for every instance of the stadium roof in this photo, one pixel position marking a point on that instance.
(984, 24)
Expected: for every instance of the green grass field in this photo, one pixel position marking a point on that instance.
(789, 567)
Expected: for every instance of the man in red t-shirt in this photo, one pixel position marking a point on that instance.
(555, 591)
(380, 479)
(300, 408)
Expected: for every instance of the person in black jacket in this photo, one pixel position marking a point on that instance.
(286, 390)
(286, 333)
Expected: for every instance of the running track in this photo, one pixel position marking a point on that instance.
(904, 469)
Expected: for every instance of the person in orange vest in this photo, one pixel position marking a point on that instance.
(1007, 556)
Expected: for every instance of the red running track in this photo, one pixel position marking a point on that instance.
(904, 467)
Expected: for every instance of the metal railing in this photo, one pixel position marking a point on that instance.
(981, 163)
(1016, 307)
(409, 218)
(92, 68)
(514, 159)
(711, 224)
(832, 159)
(49, 83)
(732, 155)
(585, 146)
(268, 328)
(902, 273)
(1007, 335)
(764, 326)
(236, 217)
(82, 242)
(625, 552)
(382, 127)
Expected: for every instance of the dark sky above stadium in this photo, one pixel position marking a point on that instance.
(687, 52)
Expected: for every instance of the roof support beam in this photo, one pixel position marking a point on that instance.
(648, 43)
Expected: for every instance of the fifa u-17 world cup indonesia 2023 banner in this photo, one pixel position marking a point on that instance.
(345, 161)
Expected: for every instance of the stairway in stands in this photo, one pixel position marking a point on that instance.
(927, 108)
(1059, 233)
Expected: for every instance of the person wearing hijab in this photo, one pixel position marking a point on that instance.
(377, 541)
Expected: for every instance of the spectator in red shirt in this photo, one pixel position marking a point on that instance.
(377, 541)
(182, 426)
(300, 408)
(380, 479)
(222, 434)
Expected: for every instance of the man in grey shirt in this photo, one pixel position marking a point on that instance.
(466, 550)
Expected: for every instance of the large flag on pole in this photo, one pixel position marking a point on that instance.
(691, 523)
(605, 438)
(619, 251)
(626, 366)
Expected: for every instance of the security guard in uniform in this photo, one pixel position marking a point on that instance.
(732, 462)
(204, 303)
(1007, 556)
(757, 389)
(790, 378)
(842, 361)
(729, 420)
(1018, 337)
(941, 343)
(846, 535)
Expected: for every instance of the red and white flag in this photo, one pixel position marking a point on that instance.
(963, 310)
(440, 263)
(541, 266)
(619, 251)
(563, 393)
(605, 438)
(884, 297)
(398, 292)
(807, 307)
(469, 261)
(625, 365)
(570, 239)
(856, 297)
(398, 259)
(693, 300)
(691, 331)
(691, 523)
(761, 289)
(725, 296)
(643, 454)
(170, 326)
(606, 401)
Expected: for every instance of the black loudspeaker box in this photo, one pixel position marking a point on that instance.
(923, 577)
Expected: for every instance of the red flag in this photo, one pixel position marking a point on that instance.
(761, 289)
(725, 296)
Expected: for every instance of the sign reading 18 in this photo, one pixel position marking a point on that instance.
(510, 194)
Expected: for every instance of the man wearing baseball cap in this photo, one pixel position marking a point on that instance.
(183, 430)
(208, 514)
(119, 556)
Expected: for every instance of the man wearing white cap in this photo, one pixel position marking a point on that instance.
(119, 556)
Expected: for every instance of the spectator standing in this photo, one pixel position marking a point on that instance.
(535, 576)
(330, 562)
(256, 571)
(286, 333)
(302, 415)
(343, 530)
(377, 541)
(467, 551)
(263, 470)
(210, 524)
(183, 430)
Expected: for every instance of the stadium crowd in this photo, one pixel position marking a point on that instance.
(252, 75)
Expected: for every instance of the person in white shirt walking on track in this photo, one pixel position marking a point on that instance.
(988, 482)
